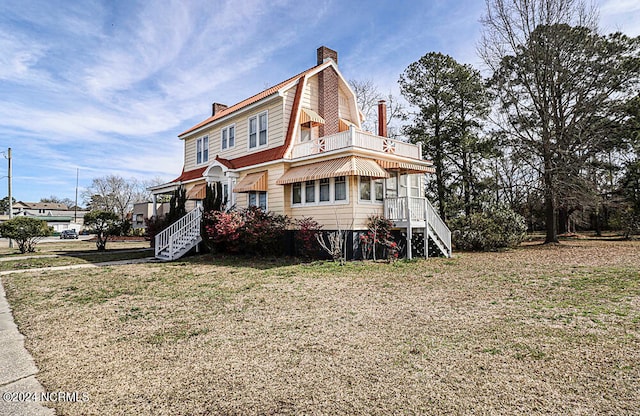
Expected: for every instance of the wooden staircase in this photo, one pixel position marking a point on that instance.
(415, 213)
(180, 237)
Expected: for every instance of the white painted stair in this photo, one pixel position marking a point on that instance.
(180, 237)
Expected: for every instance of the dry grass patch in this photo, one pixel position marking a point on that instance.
(534, 330)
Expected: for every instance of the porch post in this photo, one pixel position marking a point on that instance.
(426, 229)
(154, 198)
(409, 230)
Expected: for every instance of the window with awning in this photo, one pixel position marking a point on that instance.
(309, 116)
(409, 167)
(252, 182)
(344, 166)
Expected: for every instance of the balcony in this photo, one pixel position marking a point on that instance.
(353, 138)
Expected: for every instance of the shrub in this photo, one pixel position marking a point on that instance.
(223, 230)
(495, 228)
(250, 231)
(25, 231)
(378, 235)
(306, 237)
(104, 224)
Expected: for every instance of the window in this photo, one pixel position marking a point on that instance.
(310, 191)
(392, 185)
(258, 130)
(323, 191)
(202, 150)
(340, 189)
(252, 132)
(258, 199)
(296, 190)
(228, 138)
(410, 185)
(305, 133)
(371, 189)
(378, 189)
(365, 188)
(414, 185)
(262, 128)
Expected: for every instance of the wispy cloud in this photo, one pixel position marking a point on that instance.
(106, 86)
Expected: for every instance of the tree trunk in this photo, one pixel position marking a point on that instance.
(550, 212)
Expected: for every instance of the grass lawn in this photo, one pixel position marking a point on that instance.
(529, 331)
(70, 253)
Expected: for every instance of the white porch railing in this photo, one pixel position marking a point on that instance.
(180, 237)
(410, 211)
(360, 139)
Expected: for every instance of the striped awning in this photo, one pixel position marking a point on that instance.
(307, 115)
(343, 125)
(198, 191)
(344, 166)
(408, 166)
(252, 182)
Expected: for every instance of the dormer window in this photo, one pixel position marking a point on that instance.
(202, 150)
(258, 130)
(228, 138)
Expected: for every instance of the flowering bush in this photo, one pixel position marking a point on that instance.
(223, 230)
(306, 237)
(250, 231)
(378, 235)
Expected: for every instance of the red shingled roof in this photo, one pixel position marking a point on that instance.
(250, 100)
(189, 175)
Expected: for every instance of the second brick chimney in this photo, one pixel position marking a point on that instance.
(328, 93)
(217, 107)
(382, 118)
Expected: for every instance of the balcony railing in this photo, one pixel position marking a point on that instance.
(359, 139)
(410, 209)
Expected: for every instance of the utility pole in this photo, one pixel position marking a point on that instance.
(75, 208)
(9, 191)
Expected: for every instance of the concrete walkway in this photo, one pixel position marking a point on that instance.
(17, 367)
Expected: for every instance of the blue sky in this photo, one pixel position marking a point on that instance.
(106, 86)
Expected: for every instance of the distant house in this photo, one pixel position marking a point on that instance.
(58, 216)
(298, 149)
(142, 211)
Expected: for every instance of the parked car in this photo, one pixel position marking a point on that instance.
(69, 234)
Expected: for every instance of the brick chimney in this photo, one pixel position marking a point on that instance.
(325, 53)
(382, 118)
(217, 107)
(328, 93)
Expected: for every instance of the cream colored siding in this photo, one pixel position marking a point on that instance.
(344, 108)
(190, 153)
(289, 97)
(309, 97)
(276, 130)
(275, 193)
(330, 214)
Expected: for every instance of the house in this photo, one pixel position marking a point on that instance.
(298, 149)
(145, 210)
(58, 216)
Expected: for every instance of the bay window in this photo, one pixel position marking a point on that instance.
(322, 191)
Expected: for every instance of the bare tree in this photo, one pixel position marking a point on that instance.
(559, 84)
(113, 194)
(55, 200)
(367, 98)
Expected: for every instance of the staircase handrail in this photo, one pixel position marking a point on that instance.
(438, 226)
(167, 237)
